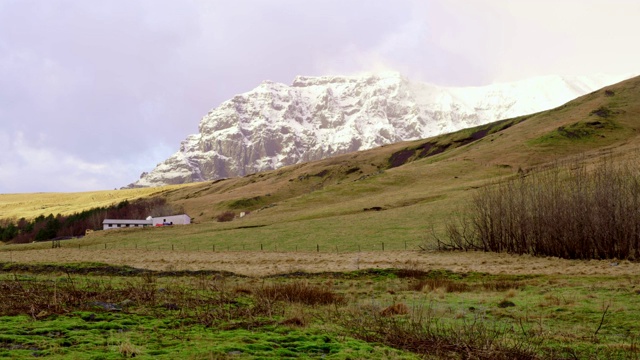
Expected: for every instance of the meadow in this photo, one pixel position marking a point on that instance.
(99, 311)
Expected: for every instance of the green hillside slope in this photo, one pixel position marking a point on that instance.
(397, 193)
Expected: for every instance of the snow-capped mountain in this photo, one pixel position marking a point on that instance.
(275, 125)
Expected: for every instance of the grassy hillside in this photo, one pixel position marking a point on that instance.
(30, 206)
(394, 194)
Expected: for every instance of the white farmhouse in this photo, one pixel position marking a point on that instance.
(182, 219)
(121, 223)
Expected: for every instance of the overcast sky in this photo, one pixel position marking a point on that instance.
(94, 92)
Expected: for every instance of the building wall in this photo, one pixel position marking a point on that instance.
(182, 219)
(121, 226)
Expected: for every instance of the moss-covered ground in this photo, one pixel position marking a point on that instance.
(114, 313)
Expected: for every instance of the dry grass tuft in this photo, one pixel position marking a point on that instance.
(502, 285)
(511, 293)
(243, 290)
(294, 321)
(300, 292)
(128, 350)
(432, 284)
(395, 309)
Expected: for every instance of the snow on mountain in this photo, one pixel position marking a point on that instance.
(275, 125)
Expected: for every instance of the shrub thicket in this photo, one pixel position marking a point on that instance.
(569, 211)
(226, 216)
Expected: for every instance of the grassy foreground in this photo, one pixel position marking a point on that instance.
(96, 311)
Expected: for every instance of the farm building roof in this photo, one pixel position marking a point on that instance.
(130, 222)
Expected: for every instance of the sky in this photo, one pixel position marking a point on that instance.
(94, 92)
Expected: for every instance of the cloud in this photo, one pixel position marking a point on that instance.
(33, 166)
(120, 83)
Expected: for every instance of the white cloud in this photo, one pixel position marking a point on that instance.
(33, 168)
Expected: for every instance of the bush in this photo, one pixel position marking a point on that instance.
(422, 333)
(226, 216)
(300, 292)
(568, 211)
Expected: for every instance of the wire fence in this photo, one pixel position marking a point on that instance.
(7, 256)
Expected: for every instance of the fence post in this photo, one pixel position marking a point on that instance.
(383, 246)
(317, 248)
(214, 247)
(260, 247)
(171, 247)
(105, 246)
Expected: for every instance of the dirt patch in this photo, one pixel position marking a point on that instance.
(431, 149)
(374, 208)
(399, 158)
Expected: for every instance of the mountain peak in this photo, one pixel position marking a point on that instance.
(275, 125)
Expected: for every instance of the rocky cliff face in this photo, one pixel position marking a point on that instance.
(275, 125)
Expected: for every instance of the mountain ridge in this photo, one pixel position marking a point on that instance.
(275, 125)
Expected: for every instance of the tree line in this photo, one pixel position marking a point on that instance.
(50, 227)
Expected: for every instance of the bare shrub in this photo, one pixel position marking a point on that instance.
(567, 211)
(226, 216)
(424, 334)
(431, 284)
(294, 321)
(502, 285)
(395, 309)
(300, 292)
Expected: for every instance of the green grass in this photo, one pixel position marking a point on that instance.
(84, 335)
(554, 316)
(588, 131)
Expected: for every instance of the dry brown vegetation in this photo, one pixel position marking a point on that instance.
(568, 211)
(257, 263)
(29, 206)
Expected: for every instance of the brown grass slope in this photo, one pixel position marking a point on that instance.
(604, 122)
(394, 193)
(30, 206)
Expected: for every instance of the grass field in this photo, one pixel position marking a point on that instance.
(95, 311)
(29, 206)
(263, 263)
